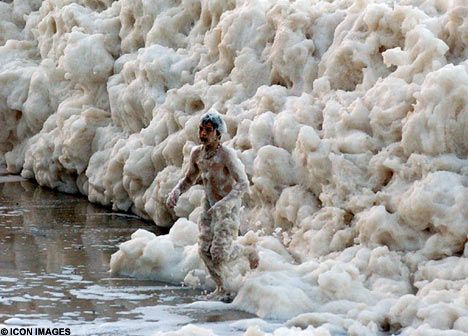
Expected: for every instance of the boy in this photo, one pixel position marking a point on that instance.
(224, 181)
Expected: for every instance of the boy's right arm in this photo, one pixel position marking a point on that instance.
(185, 183)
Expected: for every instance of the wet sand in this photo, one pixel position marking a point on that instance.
(54, 261)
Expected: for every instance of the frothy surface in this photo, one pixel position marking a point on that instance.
(350, 118)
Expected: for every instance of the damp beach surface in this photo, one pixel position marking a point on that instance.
(54, 271)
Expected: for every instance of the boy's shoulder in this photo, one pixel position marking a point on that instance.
(228, 152)
(225, 149)
(225, 153)
(196, 150)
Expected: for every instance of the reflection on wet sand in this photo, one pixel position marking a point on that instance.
(52, 243)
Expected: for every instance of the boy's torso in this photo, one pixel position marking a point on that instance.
(215, 175)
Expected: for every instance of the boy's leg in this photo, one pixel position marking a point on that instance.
(225, 231)
(205, 237)
(223, 248)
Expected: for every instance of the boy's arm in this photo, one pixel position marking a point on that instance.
(237, 171)
(187, 181)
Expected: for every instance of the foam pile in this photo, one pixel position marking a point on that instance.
(351, 118)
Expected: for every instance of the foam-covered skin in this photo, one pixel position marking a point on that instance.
(350, 118)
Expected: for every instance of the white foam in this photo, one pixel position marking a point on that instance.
(350, 118)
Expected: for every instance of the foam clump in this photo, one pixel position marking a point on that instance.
(167, 258)
(349, 117)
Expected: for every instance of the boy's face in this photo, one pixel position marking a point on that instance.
(207, 133)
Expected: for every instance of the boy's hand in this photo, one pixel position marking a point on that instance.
(172, 198)
(216, 207)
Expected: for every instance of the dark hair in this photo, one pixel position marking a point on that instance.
(216, 121)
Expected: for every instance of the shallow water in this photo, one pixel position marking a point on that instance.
(54, 261)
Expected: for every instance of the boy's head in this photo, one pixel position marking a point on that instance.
(212, 127)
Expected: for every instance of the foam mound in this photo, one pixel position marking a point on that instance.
(351, 118)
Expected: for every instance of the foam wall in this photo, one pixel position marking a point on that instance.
(350, 117)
